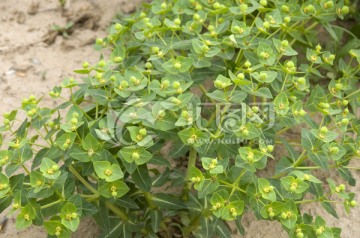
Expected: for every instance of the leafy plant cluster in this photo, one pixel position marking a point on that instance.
(150, 142)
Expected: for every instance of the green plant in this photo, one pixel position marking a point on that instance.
(62, 3)
(65, 31)
(196, 95)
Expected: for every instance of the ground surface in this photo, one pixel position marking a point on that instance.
(34, 60)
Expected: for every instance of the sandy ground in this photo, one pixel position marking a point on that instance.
(33, 61)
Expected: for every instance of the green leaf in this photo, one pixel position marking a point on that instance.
(309, 141)
(266, 189)
(66, 140)
(290, 217)
(180, 64)
(100, 96)
(107, 190)
(331, 31)
(305, 176)
(192, 136)
(212, 165)
(22, 154)
(25, 217)
(274, 207)
(167, 201)
(142, 178)
(21, 131)
(37, 181)
(198, 178)
(156, 218)
(319, 159)
(208, 187)
(82, 71)
(52, 225)
(69, 217)
(293, 154)
(330, 209)
(232, 210)
(109, 172)
(222, 229)
(49, 169)
(135, 154)
(222, 82)
(265, 76)
(285, 50)
(90, 143)
(218, 200)
(240, 29)
(281, 103)
(266, 54)
(5, 186)
(207, 228)
(16, 182)
(294, 185)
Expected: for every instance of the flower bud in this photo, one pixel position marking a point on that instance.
(345, 10)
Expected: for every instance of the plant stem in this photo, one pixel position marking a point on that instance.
(82, 180)
(283, 130)
(119, 212)
(193, 225)
(306, 201)
(149, 200)
(231, 185)
(234, 185)
(26, 170)
(308, 167)
(352, 94)
(191, 162)
(89, 197)
(350, 167)
(51, 204)
(277, 191)
(301, 159)
(187, 184)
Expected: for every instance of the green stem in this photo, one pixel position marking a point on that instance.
(231, 185)
(283, 86)
(301, 159)
(26, 170)
(119, 212)
(47, 131)
(191, 163)
(352, 94)
(51, 204)
(43, 137)
(149, 200)
(277, 191)
(193, 225)
(82, 180)
(306, 201)
(311, 26)
(89, 197)
(308, 167)
(204, 91)
(234, 185)
(97, 111)
(350, 167)
(283, 130)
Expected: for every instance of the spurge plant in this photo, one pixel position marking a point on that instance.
(184, 126)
